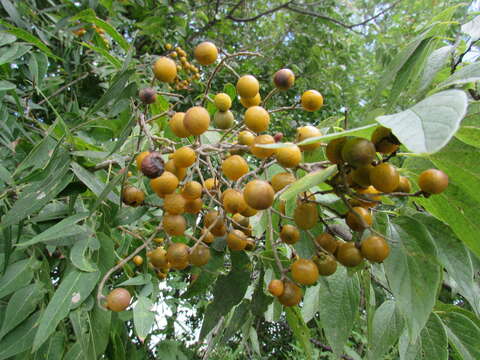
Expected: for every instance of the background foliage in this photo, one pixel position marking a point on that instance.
(69, 112)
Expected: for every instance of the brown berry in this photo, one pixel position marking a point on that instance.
(234, 167)
(306, 215)
(385, 142)
(292, 294)
(199, 255)
(290, 156)
(348, 254)
(307, 132)
(355, 223)
(384, 177)
(174, 204)
(358, 152)
(164, 184)
(304, 272)
(118, 299)
(404, 185)
(275, 287)
(284, 79)
(281, 180)
(326, 264)
(206, 53)
(133, 196)
(192, 190)
(374, 248)
(147, 95)
(236, 240)
(333, 150)
(259, 152)
(165, 69)
(258, 194)
(289, 234)
(174, 225)
(153, 165)
(177, 126)
(196, 120)
(257, 119)
(327, 242)
(433, 181)
(177, 256)
(312, 100)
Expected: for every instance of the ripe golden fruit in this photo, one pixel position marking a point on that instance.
(304, 272)
(306, 132)
(358, 152)
(164, 184)
(140, 158)
(275, 287)
(433, 181)
(222, 101)
(239, 221)
(249, 211)
(234, 167)
(261, 152)
(384, 177)
(176, 124)
(193, 206)
(361, 176)
(348, 254)
(200, 255)
(210, 183)
(404, 185)
(236, 240)
(165, 69)
(213, 217)
(208, 237)
(177, 256)
(133, 196)
(375, 248)
(196, 120)
(280, 180)
(174, 225)
(249, 102)
(327, 242)
(369, 192)
(247, 86)
(385, 142)
(153, 165)
(118, 299)
(289, 234)
(168, 46)
(292, 294)
(326, 264)
(179, 172)
(246, 138)
(306, 215)
(233, 201)
(184, 157)
(289, 157)
(147, 95)
(223, 120)
(192, 190)
(284, 79)
(206, 53)
(333, 150)
(158, 258)
(138, 260)
(312, 100)
(174, 204)
(257, 119)
(258, 194)
(353, 221)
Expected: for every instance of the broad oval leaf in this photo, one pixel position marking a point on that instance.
(467, 74)
(143, 317)
(462, 334)
(428, 126)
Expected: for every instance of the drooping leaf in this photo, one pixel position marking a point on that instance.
(93, 183)
(17, 275)
(436, 61)
(71, 293)
(143, 317)
(462, 335)
(472, 29)
(339, 299)
(300, 329)
(467, 74)
(20, 339)
(53, 349)
(22, 303)
(412, 272)
(428, 126)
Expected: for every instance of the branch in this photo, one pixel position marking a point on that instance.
(324, 347)
(271, 11)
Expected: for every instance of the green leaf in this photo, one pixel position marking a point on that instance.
(112, 59)
(230, 90)
(78, 252)
(387, 327)
(20, 339)
(308, 181)
(53, 349)
(238, 318)
(428, 126)
(412, 271)
(364, 131)
(454, 257)
(17, 275)
(6, 38)
(300, 329)
(71, 293)
(137, 280)
(260, 300)
(143, 317)
(107, 191)
(340, 300)
(28, 37)
(118, 85)
(6, 85)
(88, 15)
(462, 334)
(64, 228)
(14, 52)
(93, 183)
(229, 291)
(311, 302)
(100, 330)
(431, 344)
(40, 193)
(436, 61)
(467, 74)
(472, 29)
(22, 303)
